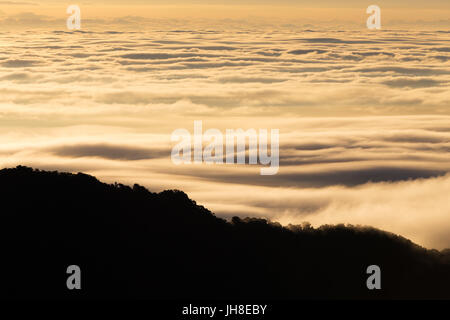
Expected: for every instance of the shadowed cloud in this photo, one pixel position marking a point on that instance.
(107, 151)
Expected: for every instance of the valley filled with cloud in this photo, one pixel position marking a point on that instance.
(364, 116)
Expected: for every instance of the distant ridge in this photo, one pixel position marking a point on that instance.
(132, 243)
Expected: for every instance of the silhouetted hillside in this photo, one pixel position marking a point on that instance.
(133, 243)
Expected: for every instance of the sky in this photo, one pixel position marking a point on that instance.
(26, 14)
(363, 115)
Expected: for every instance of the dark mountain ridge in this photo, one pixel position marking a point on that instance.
(132, 243)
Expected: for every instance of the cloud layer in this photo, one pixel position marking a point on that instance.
(364, 117)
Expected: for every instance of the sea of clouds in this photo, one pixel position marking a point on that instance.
(364, 117)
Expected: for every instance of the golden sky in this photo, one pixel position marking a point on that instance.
(350, 11)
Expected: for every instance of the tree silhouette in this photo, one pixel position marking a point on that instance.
(132, 243)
